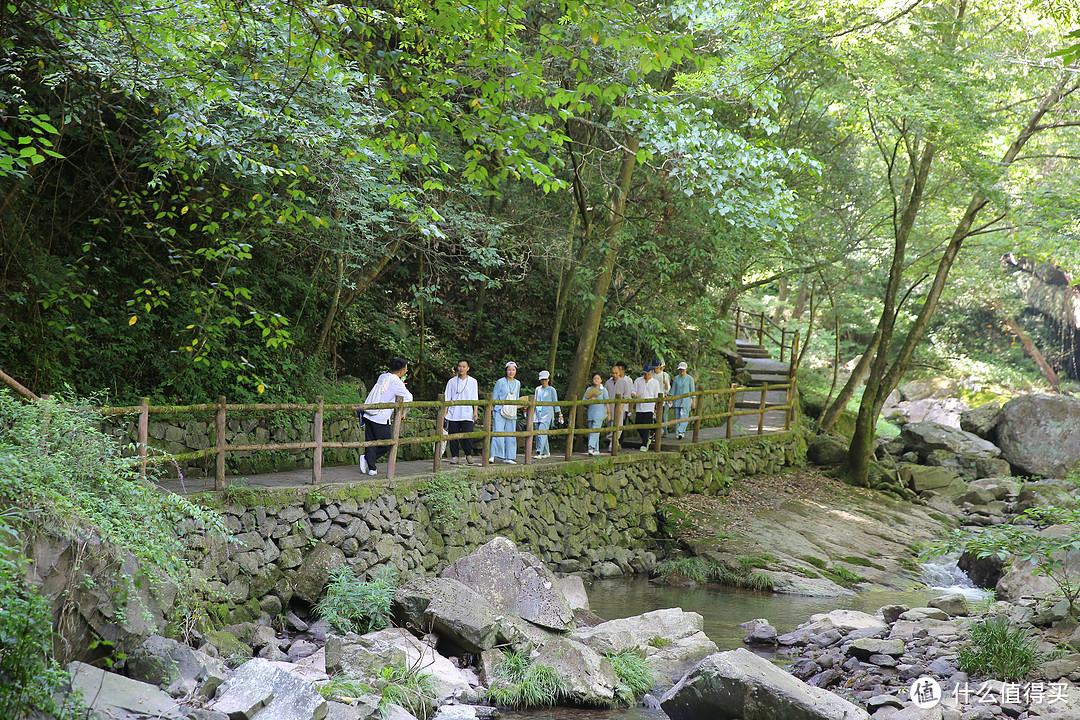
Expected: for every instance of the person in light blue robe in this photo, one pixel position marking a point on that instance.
(596, 415)
(544, 414)
(507, 388)
(682, 384)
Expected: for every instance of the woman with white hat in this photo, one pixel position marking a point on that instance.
(682, 384)
(505, 416)
(544, 414)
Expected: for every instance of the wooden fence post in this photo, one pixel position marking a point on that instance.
(219, 473)
(395, 433)
(316, 453)
(530, 415)
(738, 322)
(700, 405)
(571, 423)
(761, 409)
(761, 330)
(787, 410)
(731, 409)
(143, 436)
(658, 431)
(616, 434)
(440, 420)
(485, 451)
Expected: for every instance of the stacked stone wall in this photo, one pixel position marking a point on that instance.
(598, 516)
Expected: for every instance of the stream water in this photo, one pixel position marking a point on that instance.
(724, 608)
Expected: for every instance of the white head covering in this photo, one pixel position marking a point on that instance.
(682, 366)
(511, 363)
(545, 375)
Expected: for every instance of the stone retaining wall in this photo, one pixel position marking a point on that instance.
(598, 516)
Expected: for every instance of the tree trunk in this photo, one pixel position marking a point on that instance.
(781, 301)
(857, 465)
(1030, 347)
(1033, 350)
(884, 376)
(566, 282)
(581, 369)
(835, 408)
(800, 299)
(331, 313)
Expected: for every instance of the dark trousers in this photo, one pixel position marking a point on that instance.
(641, 418)
(376, 431)
(460, 426)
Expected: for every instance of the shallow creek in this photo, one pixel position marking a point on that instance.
(724, 608)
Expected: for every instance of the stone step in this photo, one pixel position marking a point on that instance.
(758, 379)
(766, 366)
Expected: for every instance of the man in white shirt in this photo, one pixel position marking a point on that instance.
(377, 422)
(618, 386)
(645, 387)
(461, 418)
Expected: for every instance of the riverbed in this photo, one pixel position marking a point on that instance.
(723, 609)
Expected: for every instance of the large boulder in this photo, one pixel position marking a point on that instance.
(365, 655)
(589, 677)
(739, 685)
(1020, 580)
(176, 668)
(315, 571)
(844, 621)
(788, 583)
(1040, 434)
(922, 477)
(968, 467)
(1045, 493)
(982, 421)
(937, 387)
(635, 633)
(514, 582)
(984, 572)
(925, 437)
(826, 450)
(451, 609)
(115, 696)
(260, 691)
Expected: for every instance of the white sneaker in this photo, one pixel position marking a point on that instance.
(363, 465)
(643, 448)
(538, 456)
(372, 472)
(547, 455)
(508, 461)
(682, 435)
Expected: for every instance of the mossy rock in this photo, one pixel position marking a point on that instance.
(227, 645)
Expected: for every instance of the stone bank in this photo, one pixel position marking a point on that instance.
(595, 516)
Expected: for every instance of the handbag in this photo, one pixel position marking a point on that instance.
(508, 411)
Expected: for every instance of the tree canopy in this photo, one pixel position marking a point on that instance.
(240, 198)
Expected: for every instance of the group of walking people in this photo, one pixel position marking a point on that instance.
(654, 384)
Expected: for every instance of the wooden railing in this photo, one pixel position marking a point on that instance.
(758, 326)
(145, 454)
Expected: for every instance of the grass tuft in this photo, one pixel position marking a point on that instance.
(520, 683)
(1000, 650)
(634, 674)
(352, 605)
